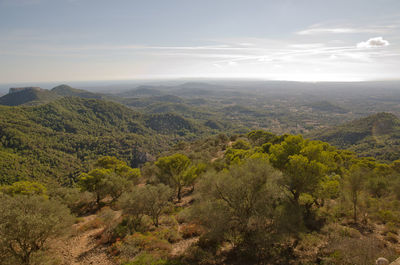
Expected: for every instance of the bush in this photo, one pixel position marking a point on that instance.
(386, 216)
(191, 230)
(137, 243)
(200, 256)
(169, 234)
(147, 259)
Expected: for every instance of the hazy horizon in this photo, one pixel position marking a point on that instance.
(45, 41)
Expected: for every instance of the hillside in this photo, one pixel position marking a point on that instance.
(59, 139)
(377, 135)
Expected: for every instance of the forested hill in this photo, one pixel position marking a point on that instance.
(377, 135)
(59, 139)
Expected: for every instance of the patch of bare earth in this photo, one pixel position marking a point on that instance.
(81, 248)
(180, 247)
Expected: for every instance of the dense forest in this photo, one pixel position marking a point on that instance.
(167, 179)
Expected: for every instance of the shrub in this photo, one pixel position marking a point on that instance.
(137, 243)
(386, 216)
(191, 230)
(147, 259)
(169, 234)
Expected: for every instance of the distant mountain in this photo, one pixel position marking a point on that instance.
(65, 90)
(142, 91)
(61, 138)
(377, 135)
(27, 95)
(37, 95)
(188, 89)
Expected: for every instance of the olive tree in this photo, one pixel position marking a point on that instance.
(26, 224)
(145, 200)
(240, 205)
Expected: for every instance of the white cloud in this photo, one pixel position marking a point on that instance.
(333, 57)
(312, 31)
(373, 43)
(323, 29)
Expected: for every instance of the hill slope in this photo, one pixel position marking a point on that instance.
(377, 135)
(61, 138)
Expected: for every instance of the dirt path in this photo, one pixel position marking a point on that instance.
(220, 154)
(180, 247)
(81, 248)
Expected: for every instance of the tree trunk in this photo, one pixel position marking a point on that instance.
(97, 199)
(355, 208)
(179, 193)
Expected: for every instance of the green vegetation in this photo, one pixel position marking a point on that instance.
(159, 183)
(111, 177)
(260, 198)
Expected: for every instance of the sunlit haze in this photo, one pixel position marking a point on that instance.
(303, 40)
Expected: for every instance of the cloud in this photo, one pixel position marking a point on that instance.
(320, 29)
(373, 43)
(326, 30)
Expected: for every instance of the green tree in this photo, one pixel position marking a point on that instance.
(280, 153)
(171, 171)
(260, 137)
(94, 182)
(239, 205)
(118, 167)
(302, 176)
(27, 222)
(355, 181)
(110, 177)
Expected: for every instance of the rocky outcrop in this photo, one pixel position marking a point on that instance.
(19, 89)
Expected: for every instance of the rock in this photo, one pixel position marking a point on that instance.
(382, 261)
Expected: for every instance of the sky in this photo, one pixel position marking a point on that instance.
(297, 40)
